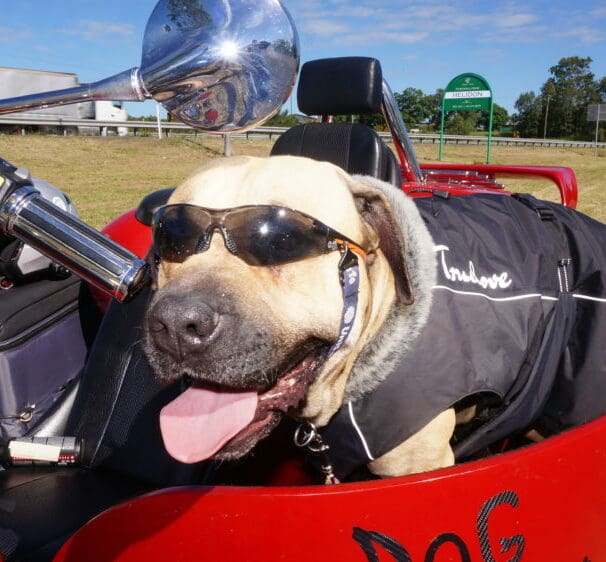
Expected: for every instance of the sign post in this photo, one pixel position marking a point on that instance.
(467, 92)
(596, 112)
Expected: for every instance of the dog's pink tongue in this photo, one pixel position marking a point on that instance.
(199, 422)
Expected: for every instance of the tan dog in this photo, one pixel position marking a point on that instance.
(253, 339)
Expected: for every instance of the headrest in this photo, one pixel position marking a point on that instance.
(340, 86)
(151, 203)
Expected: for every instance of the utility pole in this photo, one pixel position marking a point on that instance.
(546, 114)
(549, 92)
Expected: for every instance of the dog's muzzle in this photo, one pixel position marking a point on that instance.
(179, 324)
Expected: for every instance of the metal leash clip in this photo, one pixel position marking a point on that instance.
(308, 437)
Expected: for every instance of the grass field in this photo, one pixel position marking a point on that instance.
(107, 176)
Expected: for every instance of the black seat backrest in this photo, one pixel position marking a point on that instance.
(117, 407)
(341, 86)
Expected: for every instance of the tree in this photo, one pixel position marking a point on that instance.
(500, 117)
(528, 116)
(282, 119)
(461, 122)
(433, 102)
(413, 106)
(549, 93)
(574, 88)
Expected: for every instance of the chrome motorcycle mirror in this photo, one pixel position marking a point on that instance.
(217, 65)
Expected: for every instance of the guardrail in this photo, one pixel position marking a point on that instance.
(135, 127)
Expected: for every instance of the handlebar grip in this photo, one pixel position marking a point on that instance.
(62, 237)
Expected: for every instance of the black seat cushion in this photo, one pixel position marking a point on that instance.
(151, 203)
(355, 148)
(41, 507)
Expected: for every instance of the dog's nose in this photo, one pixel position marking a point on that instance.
(180, 324)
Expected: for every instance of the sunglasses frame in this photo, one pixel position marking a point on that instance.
(336, 240)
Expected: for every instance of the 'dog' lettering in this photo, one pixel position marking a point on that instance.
(368, 539)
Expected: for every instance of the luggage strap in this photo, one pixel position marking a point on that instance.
(545, 212)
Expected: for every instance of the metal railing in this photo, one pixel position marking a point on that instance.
(135, 127)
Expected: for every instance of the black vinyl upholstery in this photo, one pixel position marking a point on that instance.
(116, 414)
(151, 203)
(117, 407)
(41, 507)
(355, 148)
(341, 86)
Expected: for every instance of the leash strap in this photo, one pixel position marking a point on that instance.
(306, 435)
(349, 273)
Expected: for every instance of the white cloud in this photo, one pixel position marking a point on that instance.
(514, 20)
(360, 22)
(402, 37)
(323, 27)
(599, 12)
(587, 35)
(11, 35)
(92, 30)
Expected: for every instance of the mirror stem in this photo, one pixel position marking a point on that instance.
(125, 86)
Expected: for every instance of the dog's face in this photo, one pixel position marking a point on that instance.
(251, 339)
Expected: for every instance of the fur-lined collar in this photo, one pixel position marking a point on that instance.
(404, 322)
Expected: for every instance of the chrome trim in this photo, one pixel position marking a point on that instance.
(125, 86)
(393, 117)
(64, 238)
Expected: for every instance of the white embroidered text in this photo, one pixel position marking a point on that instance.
(494, 281)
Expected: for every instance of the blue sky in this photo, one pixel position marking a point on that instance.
(421, 43)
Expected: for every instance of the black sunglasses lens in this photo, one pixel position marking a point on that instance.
(259, 235)
(179, 232)
(273, 235)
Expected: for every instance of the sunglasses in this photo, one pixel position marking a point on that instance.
(261, 235)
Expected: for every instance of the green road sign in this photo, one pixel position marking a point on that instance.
(467, 92)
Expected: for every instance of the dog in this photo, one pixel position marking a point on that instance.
(253, 258)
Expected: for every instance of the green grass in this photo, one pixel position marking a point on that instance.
(107, 176)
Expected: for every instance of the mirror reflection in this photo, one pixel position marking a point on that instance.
(220, 65)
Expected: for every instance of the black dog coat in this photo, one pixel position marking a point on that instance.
(518, 318)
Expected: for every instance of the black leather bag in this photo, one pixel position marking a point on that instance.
(42, 350)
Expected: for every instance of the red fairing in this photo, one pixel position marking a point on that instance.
(543, 502)
(130, 233)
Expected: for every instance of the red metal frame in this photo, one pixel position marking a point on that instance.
(449, 174)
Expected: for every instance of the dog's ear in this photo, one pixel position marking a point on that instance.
(377, 212)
